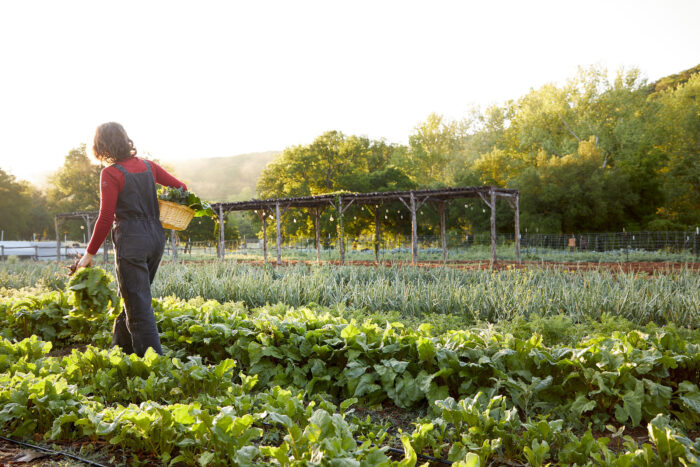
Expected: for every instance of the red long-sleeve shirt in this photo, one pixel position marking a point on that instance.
(111, 184)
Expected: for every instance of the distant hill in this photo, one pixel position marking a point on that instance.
(673, 81)
(223, 178)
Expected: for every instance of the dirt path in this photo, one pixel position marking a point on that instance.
(649, 267)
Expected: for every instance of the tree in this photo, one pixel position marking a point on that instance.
(38, 219)
(76, 185)
(573, 193)
(677, 144)
(332, 162)
(432, 146)
(23, 211)
(14, 207)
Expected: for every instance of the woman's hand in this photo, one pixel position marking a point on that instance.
(85, 261)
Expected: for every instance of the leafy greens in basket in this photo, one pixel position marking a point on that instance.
(186, 198)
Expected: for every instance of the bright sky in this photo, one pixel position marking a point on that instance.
(212, 79)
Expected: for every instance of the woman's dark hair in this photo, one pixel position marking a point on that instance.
(112, 144)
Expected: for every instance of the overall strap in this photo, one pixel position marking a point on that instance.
(121, 169)
(148, 166)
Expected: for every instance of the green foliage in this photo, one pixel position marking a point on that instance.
(186, 198)
(334, 163)
(23, 209)
(490, 397)
(76, 185)
(461, 297)
(92, 296)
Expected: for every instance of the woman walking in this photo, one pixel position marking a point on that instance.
(128, 200)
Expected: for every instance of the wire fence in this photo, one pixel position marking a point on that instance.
(616, 246)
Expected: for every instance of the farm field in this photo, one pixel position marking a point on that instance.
(331, 365)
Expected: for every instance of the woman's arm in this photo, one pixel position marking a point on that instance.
(110, 187)
(164, 178)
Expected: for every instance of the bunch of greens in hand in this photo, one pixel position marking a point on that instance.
(186, 198)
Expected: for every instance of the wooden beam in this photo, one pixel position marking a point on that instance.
(515, 204)
(58, 240)
(222, 227)
(414, 231)
(264, 226)
(317, 227)
(279, 234)
(441, 209)
(492, 205)
(173, 245)
(89, 227)
(377, 235)
(262, 214)
(341, 237)
(485, 200)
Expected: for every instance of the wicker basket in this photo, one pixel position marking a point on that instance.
(174, 216)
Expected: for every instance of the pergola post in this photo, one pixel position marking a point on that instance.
(264, 226)
(58, 240)
(173, 245)
(414, 231)
(493, 226)
(441, 209)
(89, 228)
(317, 227)
(340, 230)
(279, 233)
(377, 234)
(222, 227)
(517, 227)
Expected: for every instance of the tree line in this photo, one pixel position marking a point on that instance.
(592, 154)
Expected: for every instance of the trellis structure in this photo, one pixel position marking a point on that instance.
(89, 217)
(413, 200)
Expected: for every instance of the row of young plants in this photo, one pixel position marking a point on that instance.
(469, 295)
(466, 297)
(163, 409)
(487, 394)
(618, 374)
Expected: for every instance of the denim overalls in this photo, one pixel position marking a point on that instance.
(138, 243)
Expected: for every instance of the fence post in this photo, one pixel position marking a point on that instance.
(36, 253)
(2, 252)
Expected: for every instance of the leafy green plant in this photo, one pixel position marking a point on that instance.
(186, 198)
(92, 295)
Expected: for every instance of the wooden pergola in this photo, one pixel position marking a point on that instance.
(89, 217)
(413, 200)
(340, 202)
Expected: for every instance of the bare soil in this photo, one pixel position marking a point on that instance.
(649, 267)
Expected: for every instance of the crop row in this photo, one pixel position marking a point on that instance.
(488, 396)
(465, 297)
(472, 296)
(624, 377)
(195, 413)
